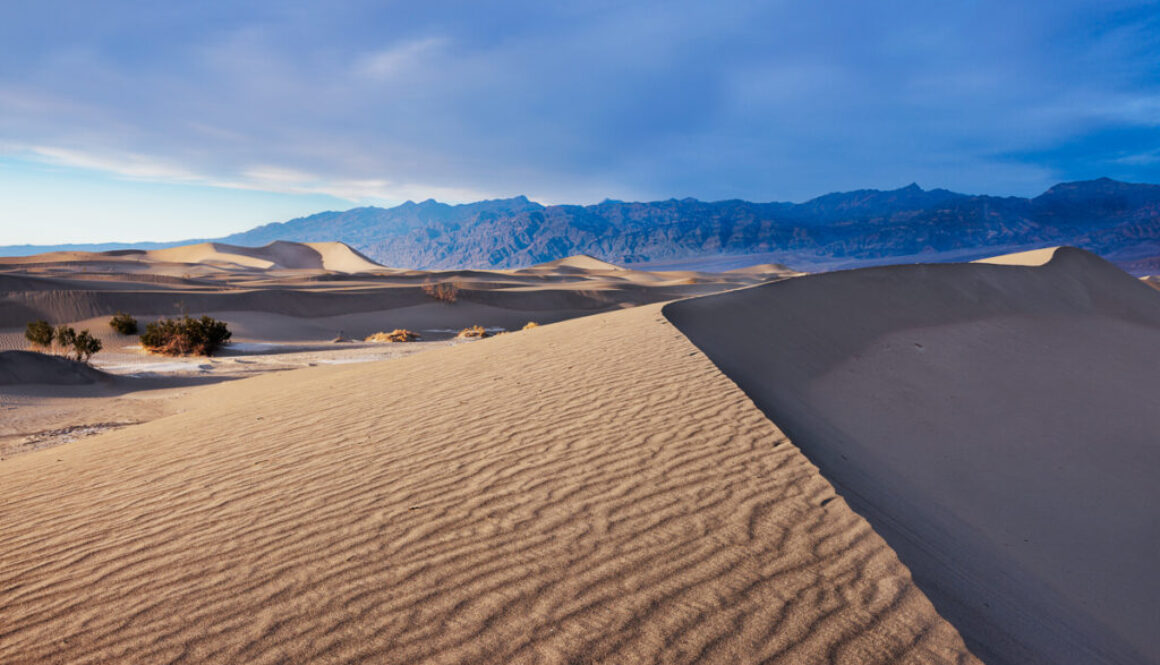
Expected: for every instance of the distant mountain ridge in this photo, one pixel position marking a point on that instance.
(1118, 220)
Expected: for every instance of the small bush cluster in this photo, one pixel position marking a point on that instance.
(396, 335)
(64, 340)
(474, 332)
(445, 292)
(40, 334)
(123, 324)
(185, 336)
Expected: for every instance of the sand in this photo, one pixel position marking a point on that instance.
(330, 256)
(1034, 257)
(592, 491)
(284, 304)
(997, 424)
(311, 291)
(25, 367)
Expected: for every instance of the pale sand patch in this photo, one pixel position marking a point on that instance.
(1033, 257)
(591, 491)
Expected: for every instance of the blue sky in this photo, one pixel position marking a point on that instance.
(137, 120)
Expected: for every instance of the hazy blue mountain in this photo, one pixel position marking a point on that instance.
(1120, 221)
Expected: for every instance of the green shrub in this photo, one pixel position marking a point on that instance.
(85, 345)
(65, 337)
(123, 324)
(185, 336)
(39, 333)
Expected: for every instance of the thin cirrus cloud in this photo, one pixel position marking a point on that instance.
(371, 102)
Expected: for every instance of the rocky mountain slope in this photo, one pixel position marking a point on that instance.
(1120, 221)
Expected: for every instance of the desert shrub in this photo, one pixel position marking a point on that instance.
(474, 332)
(85, 345)
(66, 336)
(530, 325)
(446, 292)
(185, 336)
(123, 324)
(396, 335)
(39, 333)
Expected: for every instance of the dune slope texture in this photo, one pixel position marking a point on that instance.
(332, 256)
(32, 367)
(514, 500)
(997, 425)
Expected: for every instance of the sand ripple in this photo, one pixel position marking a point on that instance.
(591, 491)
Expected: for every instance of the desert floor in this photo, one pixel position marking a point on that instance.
(285, 304)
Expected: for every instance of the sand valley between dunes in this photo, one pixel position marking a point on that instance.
(589, 491)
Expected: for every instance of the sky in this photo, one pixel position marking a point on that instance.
(132, 120)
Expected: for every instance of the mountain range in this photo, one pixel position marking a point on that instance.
(1118, 220)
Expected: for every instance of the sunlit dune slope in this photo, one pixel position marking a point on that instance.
(333, 256)
(1034, 257)
(593, 491)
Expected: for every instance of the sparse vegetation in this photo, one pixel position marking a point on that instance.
(474, 332)
(396, 335)
(65, 337)
(531, 324)
(85, 345)
(40, 334)
(185, 336)
(123, 323)
(445, 292)
(68, 341)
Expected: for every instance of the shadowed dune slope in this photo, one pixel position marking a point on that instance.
(593, 491)
(997, 424)
(31, 367)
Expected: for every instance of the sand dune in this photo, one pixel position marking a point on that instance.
(325, 286)
(766, 269)
(578, 262)
(1034, 257)
(31, 367)
(996, 423)
(513, 500)
(332, 256)
(209, 252)
(340, 257)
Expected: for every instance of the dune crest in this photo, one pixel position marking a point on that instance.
(1034, 257)
(996, 423)
(332, 256)
(578, 262)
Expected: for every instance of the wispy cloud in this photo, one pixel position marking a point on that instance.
(577, 102)
(264, 178)
(398, 59)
